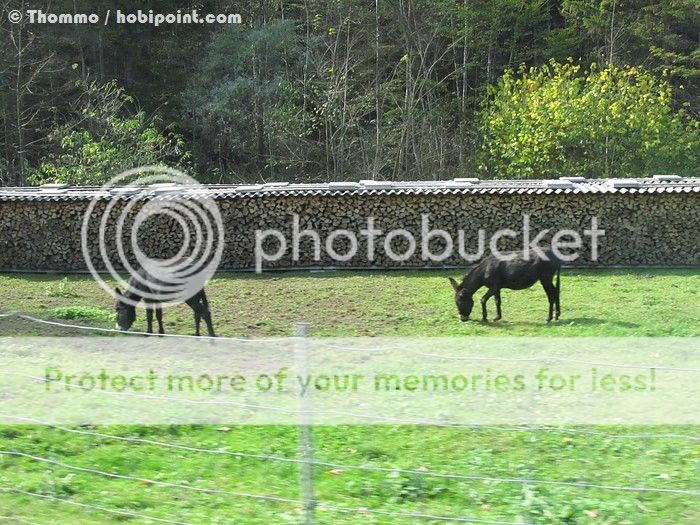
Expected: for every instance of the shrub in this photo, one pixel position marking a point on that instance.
(556, 120)
(82, 313)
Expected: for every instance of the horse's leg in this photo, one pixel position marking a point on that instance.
(558, 306)
(159, 318)
(207, 319)
(491, 292)
(149, 319)
(551, 292)
(206, 313)
(194, 303)
(196, 309)
(497, 298)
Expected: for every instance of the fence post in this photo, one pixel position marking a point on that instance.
(306, 474)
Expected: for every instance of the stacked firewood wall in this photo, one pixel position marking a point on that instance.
(640, 229)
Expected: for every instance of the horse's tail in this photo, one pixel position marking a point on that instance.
(558, 288)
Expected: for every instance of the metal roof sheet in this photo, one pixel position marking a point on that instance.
(459, 186)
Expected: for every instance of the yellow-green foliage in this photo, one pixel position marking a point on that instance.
(558, 120)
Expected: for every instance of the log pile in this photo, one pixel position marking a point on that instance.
(641, 229)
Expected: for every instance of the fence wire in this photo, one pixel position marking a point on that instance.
(382, 419)
(18, 519)
(366, 468)
(329, 506)
(542, 359)
(118, 512)
(265, 497)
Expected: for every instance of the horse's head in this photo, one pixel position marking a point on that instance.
(126, 313)
(463, 300)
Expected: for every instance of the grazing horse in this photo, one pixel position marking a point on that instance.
(136, 288)
(516, 273)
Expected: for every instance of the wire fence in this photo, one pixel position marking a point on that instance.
(542, 359)
(306, 461)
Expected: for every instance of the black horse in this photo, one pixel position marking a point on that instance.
(137, 287)
(515, 273)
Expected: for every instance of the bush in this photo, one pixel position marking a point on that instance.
(62, 288)
(82, 313)
(105, 141)
(555, 121)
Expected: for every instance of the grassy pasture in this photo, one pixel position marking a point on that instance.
(594, 303)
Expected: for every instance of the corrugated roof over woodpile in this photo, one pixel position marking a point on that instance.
(460, 186)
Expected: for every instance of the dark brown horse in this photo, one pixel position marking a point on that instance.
(137, 288)
(516, 272)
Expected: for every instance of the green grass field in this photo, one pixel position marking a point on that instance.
(594, 303)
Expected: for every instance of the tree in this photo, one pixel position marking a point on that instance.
(25, 63)
(103, 139)
(232, 96)
(556, 120)
(660, 35)
(311, 90)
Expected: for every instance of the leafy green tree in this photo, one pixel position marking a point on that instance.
(236, 91)
(104, 140)
(315, 90)
(660, 35)
(557, 120)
